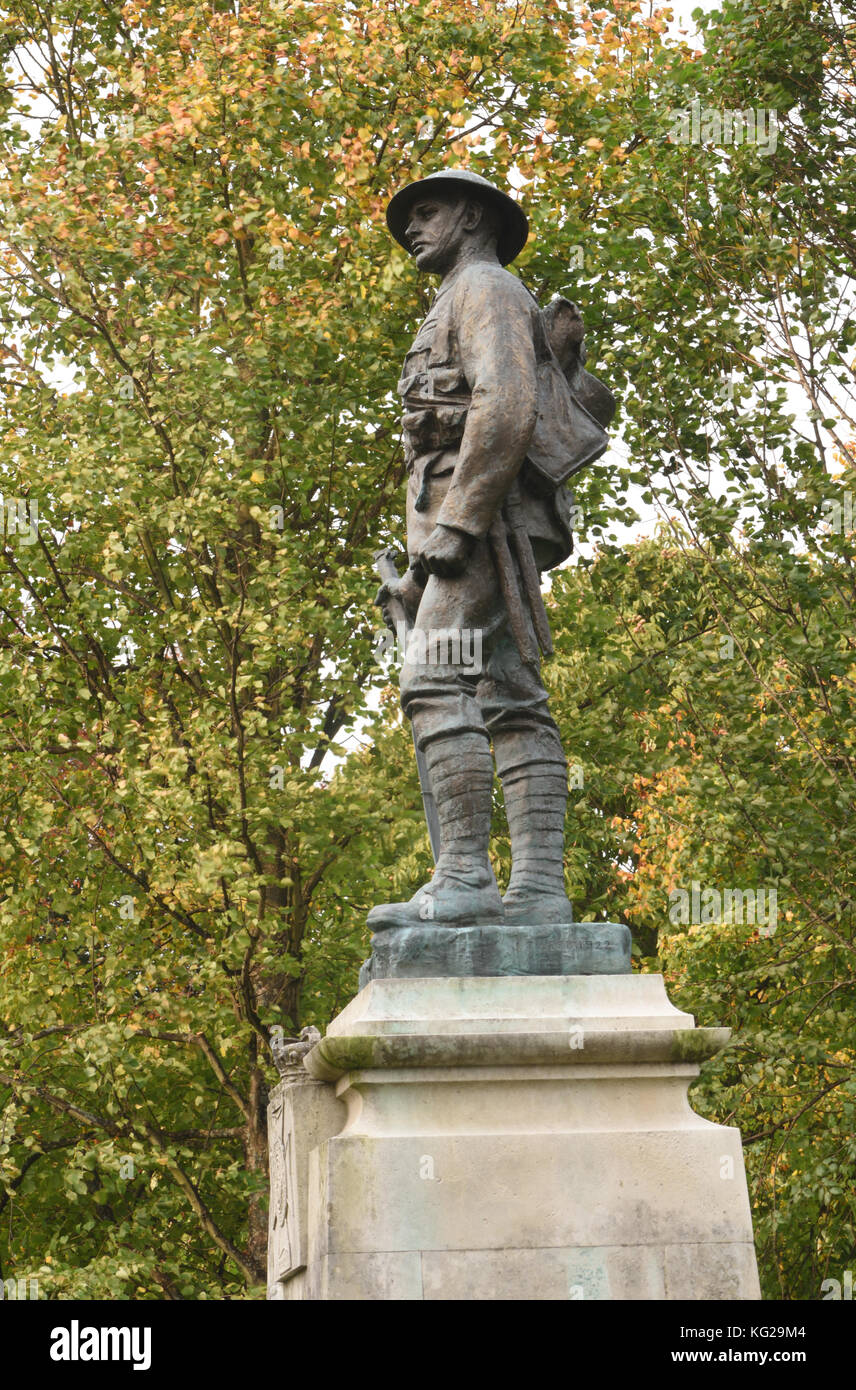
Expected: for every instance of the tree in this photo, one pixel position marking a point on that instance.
(203, 318)
(202, 321)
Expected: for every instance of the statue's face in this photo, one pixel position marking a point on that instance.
(437, 230)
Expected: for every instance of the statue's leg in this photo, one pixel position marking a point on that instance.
(456, 618)
(533, 771)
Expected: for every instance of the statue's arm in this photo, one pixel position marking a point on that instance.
(493, 320)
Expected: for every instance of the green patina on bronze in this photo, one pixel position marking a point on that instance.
(560, 948)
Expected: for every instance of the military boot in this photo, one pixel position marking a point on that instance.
(463, 891)
(536, 795)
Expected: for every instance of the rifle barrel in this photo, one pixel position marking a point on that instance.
(385, 567)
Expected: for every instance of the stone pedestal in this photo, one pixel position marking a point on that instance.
(302, 1113)
(522, 1138)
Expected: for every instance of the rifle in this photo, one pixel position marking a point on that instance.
(511, 523)
(508, 583)
(528, 568)
(384, 563)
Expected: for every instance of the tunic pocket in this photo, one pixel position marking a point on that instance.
(448, 381)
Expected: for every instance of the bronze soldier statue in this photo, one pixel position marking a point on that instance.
(498, 413)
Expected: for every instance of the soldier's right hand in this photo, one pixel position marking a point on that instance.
(446, 551)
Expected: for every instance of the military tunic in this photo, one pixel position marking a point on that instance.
(470, 394)
(483, 338)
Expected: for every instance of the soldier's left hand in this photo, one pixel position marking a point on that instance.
(446, 551)
(408, 589)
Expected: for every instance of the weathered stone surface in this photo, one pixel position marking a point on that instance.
(335, 1057)
(392, 1277)
(425, 952)
(498, 1004)
(720, 1272)
(530, 1190)
(301, 1113)
(523, 1139)
(559, 1274)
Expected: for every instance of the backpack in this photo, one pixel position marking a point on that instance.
(573, 406)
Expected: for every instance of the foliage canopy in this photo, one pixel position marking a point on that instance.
(205, 780)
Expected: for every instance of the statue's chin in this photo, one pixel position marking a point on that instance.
(425, 261)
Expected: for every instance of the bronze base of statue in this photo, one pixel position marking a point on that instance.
(429, 951)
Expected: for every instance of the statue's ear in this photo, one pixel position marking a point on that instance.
(474, 214)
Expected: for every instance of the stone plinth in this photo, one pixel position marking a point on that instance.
(522, 1138)
(301, 1114)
